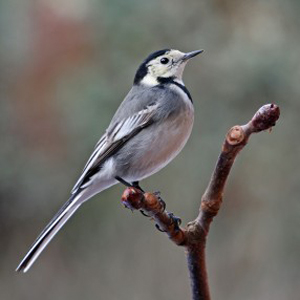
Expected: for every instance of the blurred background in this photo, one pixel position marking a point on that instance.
(64, 68)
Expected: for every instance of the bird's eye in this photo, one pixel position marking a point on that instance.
(164, 60)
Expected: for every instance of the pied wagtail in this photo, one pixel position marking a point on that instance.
(150, 127)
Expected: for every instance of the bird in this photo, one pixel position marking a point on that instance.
(150, 127)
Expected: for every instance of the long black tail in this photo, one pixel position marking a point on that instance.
(48, 233)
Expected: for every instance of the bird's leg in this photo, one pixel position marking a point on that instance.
(136, 184)
(124, 182)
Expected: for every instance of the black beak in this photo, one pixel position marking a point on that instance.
(191, 54)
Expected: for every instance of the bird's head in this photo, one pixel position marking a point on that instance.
(163, 64)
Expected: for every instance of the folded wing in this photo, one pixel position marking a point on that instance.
(113, 140)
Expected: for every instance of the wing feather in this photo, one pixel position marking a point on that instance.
(113, 140)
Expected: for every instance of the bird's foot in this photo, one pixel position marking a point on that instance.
(161, 201)
(144, 214)
(176, 221)
(162, 205)
(158, 228)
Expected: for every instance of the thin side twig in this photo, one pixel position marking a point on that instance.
(153, 206)
(193, 237)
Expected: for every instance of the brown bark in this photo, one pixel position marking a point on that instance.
(193, 237)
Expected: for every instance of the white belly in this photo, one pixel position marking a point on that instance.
(166, 141)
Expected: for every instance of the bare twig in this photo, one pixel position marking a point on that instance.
(154, 207)
(193, 238)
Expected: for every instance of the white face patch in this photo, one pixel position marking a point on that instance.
(166, 65)
(150, 80)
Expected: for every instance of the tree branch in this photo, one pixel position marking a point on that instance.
(193, 238)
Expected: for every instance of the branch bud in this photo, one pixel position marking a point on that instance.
(132, 198)
(265, 117)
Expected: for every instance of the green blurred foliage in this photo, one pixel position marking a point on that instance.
(64, 68)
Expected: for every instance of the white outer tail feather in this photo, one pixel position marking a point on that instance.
(62, 216)
(42, 241)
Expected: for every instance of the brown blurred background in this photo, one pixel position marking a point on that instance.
(64, 68)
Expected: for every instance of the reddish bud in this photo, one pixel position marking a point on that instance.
(266, 117)
(132, 198)
(152, 203)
